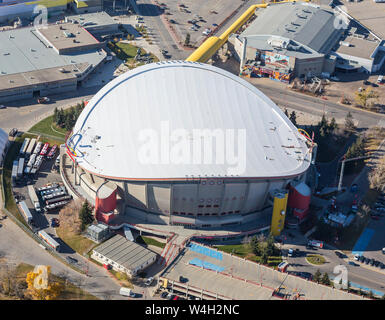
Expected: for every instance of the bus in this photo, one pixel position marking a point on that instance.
(34, 198)
(25, 212)
(20, 168)
(38, 147)
(49, 240)
(59, 199)
(30, 148)
(24, 146)
(44, 150)
(14, 172)
(52, 152)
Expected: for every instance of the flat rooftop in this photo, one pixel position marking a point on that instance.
(25, 58)
(125, 253)
(94, 19)
(48, 75)
(241, 279)
(362, 48)
(370, 14)
(67, 36)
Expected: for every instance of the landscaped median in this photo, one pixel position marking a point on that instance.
(315, 259)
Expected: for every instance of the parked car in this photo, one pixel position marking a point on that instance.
(182, 279)
(352, 263)
(164, 295)
(367, 261)
(43, 100)
(371, 262)
(383, 250)
(361, 259)
(376, 263)
(2, 106)
(71, 260)
(290, 252)
(149, 281)
(13, 132)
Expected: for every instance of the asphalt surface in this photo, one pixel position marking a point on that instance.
(356, 274)
(18, 247)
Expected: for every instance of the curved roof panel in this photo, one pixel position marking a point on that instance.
(176, 120)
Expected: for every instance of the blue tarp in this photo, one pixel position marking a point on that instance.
(206, 251)
(206, 265)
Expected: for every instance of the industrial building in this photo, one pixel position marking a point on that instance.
(112, 166)
(39, 62)
(303, 40)
(98, 232)
(99, 24)
(123, 255)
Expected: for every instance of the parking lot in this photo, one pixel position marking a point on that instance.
(243, 279)
(48, 173)
(208, 15)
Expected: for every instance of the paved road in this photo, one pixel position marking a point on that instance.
(158, 31)
(19, 247)
(356, 274)
(318, 107)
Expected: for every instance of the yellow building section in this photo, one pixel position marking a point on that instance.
(50, 3)
(279, 213)
(212, 44)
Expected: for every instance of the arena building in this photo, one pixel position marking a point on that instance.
(304, 40)
(186, 141)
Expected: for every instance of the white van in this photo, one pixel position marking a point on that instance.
(380, 79)
(126, 292)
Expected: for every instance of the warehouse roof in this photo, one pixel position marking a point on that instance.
(304, 24)
(23, 50)
(67, 36)
(93, 19)
(125, 253)
(127, 129)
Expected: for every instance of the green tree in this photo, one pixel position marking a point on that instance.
(333, 125)
(187, 40)
(325, 279)
(317, 276)
(349, 123)
(293, 118)
(270, 247)
(55, 115)
(85, 215)
(264, 258)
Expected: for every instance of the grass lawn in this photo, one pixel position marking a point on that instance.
(150, 241)
(70, 292)
(47, 127)
(122, 278)
(127, 53)
(244, 251)
(315, 259)
(77, 242)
